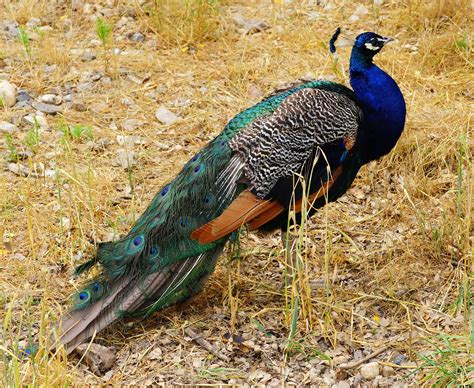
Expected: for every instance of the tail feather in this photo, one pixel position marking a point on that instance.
(137, 297)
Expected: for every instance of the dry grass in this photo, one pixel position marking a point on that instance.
(395, 253)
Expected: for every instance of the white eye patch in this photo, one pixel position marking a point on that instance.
(370, 46)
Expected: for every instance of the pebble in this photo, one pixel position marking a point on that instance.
(78, 106)
(127, 101)
(343, 384)
(99, 358)
(88, 56)
(7, 93)
(136, 37)
(48, 69)
(7, 127)
(132, 124)
(46, 108)
(33, 22)
(250, 26)
(51, 99)
(370, 371)
(165, 116)
(387, 371)
(90, 76)
(126, 158)
(40, 119)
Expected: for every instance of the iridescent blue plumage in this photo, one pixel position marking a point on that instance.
(246, 174)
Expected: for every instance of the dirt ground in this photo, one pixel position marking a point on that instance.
(385, 298)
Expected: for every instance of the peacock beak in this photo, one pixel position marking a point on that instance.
(387, 40)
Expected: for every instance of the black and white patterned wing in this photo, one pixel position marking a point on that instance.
(278, 145)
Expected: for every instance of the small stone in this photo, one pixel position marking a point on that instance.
(126, 158)
(99, 358)
(399, 358)
(165, 116)
(78, 106)
(45, 28)
(155, 354)
(36, 119)
(88, 56)
(76, 5)
(46, 108)
(132, 124)
(91, 76)
(7, 93)
(254, 91)
(33, 22)
(136, 37)
(370, 371)
(353, 18)
(343, 384)
(361, 10)
(7, 127)
(51, 99)
(387, 371)
(250, 26)
(48, 69)
(23, 96)
(127, 101)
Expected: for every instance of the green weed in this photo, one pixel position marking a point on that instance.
(24, 39)
(12, 152)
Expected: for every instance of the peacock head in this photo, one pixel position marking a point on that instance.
(370, 43)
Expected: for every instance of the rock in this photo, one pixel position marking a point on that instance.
(250, 26)
(33, 22)
(127, 101)
(88, 56)
(399, 358)
(51, 99)
(387, 371)
(7, 93)
(165, 116)
(40, 120)
(23, 99)
(46, 108)
(155, 354)
(126, 158)
(99, 358)
(78, 106)
(343, 384)
(7, 127)
(45, 29)
(76, 5)
(91, 76)
(48, 69)
(254, 91)
(132, 124)
(361, 10)
(136, 37)
(12, 29)
(370, 371)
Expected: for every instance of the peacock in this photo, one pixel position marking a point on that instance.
(319, 130)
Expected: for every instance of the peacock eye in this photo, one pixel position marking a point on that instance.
(137, 241)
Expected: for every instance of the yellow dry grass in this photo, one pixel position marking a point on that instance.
(395, 253)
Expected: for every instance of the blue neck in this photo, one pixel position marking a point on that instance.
(382, 104)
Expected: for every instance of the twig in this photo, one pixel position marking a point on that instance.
(375, 353)
(205, 344)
